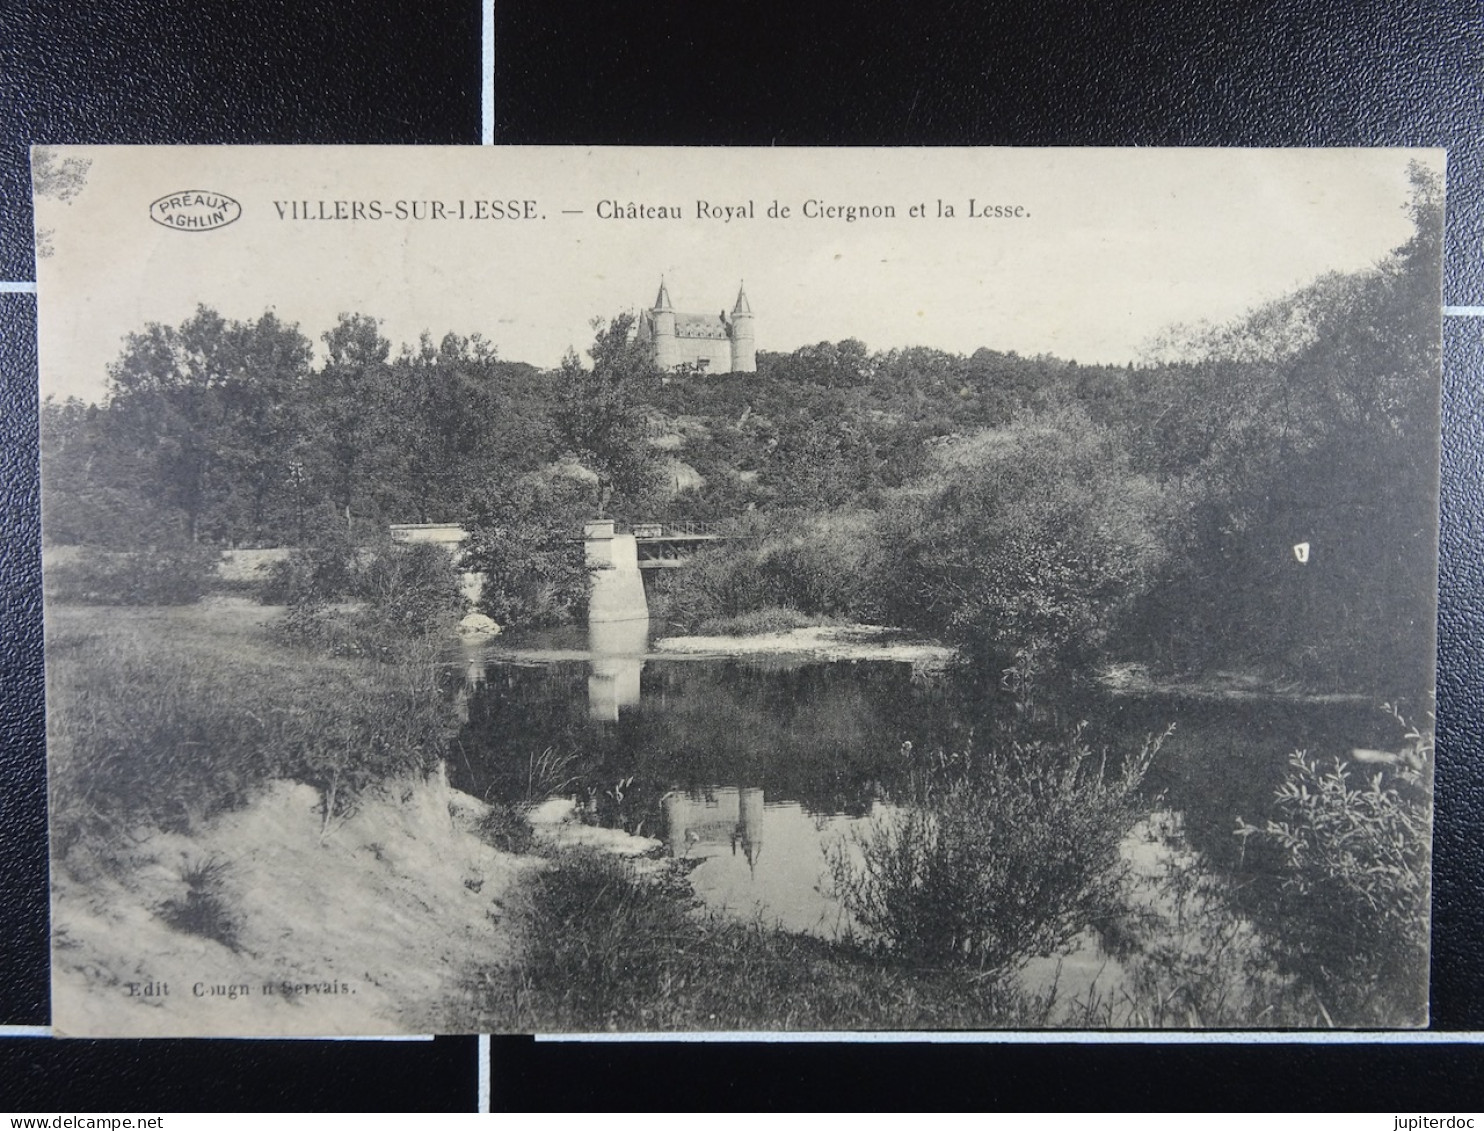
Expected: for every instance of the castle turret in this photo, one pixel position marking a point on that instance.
(750, 826)
(744, 352)
(666, 348)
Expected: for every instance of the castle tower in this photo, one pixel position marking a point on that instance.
(750, 827)
(666, 347)
(744, 352)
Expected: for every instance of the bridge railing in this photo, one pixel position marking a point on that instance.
(680, 529)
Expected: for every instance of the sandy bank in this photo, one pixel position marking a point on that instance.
(370, 929)
(820, 642)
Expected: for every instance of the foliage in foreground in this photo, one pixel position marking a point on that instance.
(153, 722)
(608, 944)
(1351, 887)
(1008, 859)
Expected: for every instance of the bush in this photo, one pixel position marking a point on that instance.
(526, 544)
(324, 572)
(178, 575)
(1351, 894)
(757, 622)
(205, 910)
(406, 593)
(996, 862)
(412, 590)
(819, 567)
(1033, 536)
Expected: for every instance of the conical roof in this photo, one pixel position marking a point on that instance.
(662, 300)
(743, 306)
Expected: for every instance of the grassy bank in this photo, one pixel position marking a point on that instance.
(165, 716)
(230, 813)
(608, 945)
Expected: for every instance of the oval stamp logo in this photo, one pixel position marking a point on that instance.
(195, 210)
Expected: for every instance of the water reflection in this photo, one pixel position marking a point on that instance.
(750, 770)
(617, 648)
(702, 825)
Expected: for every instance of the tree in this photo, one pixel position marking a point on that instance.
(204, 411)
(56, 180)
(1313, 420)
(348, 424)
(1031, 537)
(598, 417)
(268, 365)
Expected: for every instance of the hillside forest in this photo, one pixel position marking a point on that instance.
(1258, 496)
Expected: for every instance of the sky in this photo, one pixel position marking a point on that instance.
(1095, 251)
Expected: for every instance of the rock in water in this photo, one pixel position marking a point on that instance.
(477, 624)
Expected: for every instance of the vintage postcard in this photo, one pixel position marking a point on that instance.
(570, 590)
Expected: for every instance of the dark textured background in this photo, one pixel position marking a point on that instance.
(1321, 72)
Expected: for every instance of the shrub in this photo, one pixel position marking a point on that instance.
(324, 571)
(1353, 881)
(525, 542)
(178, 575)
(506, 828)
(205, 910)
(1031, 536)
(996, 862)
(819, 567)
(413, 590)
(758, 621)
(407, 593)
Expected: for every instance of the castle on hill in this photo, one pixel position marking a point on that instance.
(715, 343)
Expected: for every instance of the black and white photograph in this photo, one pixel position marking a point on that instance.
(582, 590)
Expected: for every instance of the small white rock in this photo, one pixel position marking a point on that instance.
(477, 624)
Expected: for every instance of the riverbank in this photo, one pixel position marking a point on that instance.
(817, 642)
(251, 839)
(1132, 678)
(256, 924)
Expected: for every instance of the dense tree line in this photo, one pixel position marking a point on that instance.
(226, 433)
(1259, 494)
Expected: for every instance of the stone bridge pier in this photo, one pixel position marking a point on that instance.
(617, 620)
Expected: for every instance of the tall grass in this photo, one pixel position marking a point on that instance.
(608, 945)
(163, 720)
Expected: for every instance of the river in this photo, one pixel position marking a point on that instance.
(754, 769)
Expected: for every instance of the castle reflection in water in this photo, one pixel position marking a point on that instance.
(697, 826)
(704, 825)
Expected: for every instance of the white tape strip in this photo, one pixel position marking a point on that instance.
(484, 1074)
(1053, 1037)
(487, 61)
